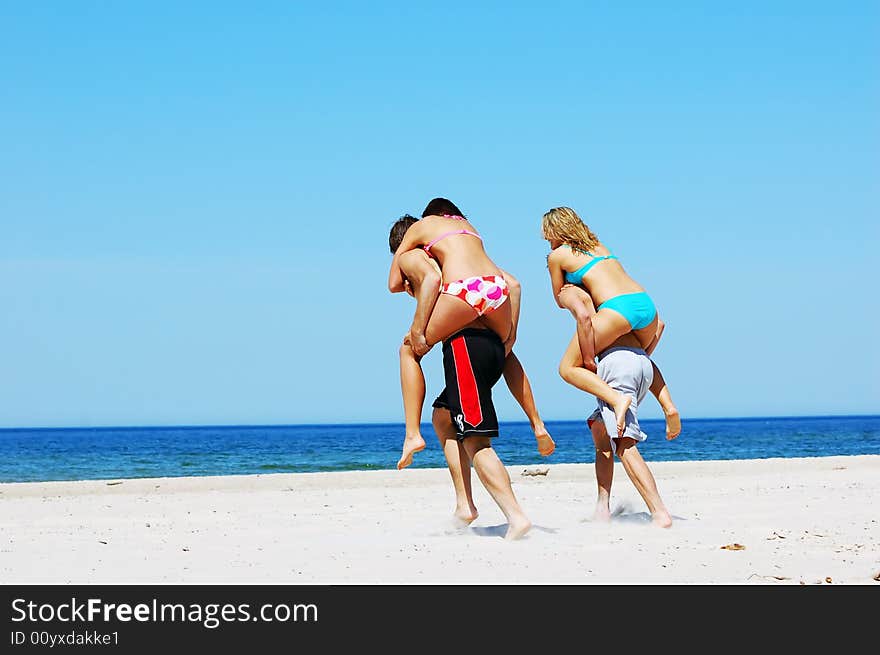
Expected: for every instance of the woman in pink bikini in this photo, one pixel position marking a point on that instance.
(472, 290)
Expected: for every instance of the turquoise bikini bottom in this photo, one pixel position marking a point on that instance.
(637, 308)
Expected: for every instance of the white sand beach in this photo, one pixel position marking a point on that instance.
(809, 520)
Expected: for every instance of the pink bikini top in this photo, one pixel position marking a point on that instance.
(428, 246)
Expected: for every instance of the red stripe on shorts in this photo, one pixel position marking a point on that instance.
(468, 393)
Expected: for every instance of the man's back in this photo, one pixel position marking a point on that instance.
(628, 340)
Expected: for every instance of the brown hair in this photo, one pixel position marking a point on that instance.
(401, 225)
(441, 207)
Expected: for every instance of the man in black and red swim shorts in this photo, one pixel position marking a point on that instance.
(473, 361)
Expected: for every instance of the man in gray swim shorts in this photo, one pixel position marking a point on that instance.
(626, 367)
(627, 370)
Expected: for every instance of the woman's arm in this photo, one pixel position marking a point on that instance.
(557, 275)
(411, 240)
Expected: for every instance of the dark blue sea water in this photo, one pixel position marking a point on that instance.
(110, 453)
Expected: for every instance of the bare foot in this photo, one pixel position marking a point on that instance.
(411, 445)
(546, 445)
(673, 423)
(602, 513)
(661, 519)
(517, 528)
(464, 516)
(620, 408)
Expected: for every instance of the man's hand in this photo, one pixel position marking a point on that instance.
(418, 343)
(508, 345)
(565, 287)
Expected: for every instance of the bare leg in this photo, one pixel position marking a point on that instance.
(609, 326)
(661, 392)
(649, 337)
(421, 274)
(518, 383)
(447, 316)
(459, 466)
(498, 320)
(580, 304)
(450, 315)
(412, 384)
(656, 338)
(591, 383)
(495, 478)
(644, 482)
(604, 470)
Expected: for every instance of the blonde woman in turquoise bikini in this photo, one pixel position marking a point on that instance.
(584, 275)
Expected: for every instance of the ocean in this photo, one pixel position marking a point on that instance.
(40, 454)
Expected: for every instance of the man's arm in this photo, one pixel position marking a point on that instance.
(423, 276)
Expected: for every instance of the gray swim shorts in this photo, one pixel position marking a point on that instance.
(629, 371)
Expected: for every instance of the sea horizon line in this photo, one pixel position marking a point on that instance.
(271, 426)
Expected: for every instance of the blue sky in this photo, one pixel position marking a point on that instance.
(196, 199)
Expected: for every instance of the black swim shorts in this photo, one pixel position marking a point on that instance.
(473, 361)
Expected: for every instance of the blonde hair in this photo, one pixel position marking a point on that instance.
(563, 224)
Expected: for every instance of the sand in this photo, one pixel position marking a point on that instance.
(808, 520)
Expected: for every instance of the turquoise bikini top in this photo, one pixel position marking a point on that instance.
(577, 276)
